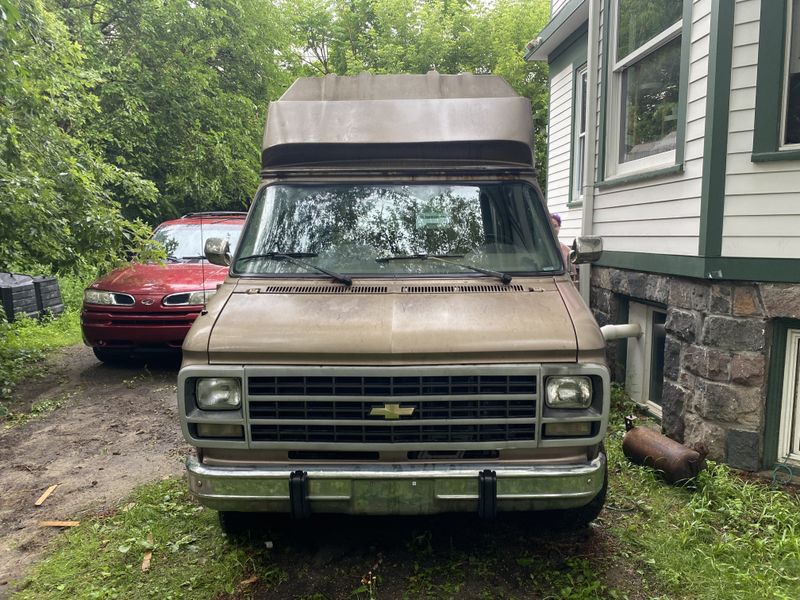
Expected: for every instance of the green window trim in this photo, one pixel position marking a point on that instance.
(769, 84)
(774, 156)
(680, 141)
(777, 270)
(775, 369)
(576, 84)
(637, 177)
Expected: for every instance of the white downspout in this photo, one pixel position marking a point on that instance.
(592, 64)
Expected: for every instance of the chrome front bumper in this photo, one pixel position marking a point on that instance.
(401, 489)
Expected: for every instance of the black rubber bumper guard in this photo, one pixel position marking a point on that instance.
(487, 494)
(298, 495)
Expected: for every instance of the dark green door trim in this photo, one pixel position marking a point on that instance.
(715, 143)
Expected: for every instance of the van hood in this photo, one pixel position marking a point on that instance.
(444, 322)
(155, 278)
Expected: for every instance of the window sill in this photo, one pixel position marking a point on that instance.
(636, 177)
(575, 203)
(757, 157)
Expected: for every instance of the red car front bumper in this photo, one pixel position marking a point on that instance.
(132, 327)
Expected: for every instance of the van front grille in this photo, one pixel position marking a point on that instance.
(460, 385)
(393, 434)
(343, 410)
(424, 409)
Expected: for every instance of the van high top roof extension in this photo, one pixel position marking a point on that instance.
(415, 122)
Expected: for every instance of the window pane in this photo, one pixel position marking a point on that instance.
(641, 20)
(353, 228)
(579, 175)
(583, 103)
(659, 336)
(650, 112)
(580, 136)
(793, 89)
(187, 241)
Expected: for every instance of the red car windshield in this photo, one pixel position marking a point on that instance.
(187, 241)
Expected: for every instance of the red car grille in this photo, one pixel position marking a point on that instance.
(153, 319)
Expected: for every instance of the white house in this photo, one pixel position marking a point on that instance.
(674, 133)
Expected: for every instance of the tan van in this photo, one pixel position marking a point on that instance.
(398, 333)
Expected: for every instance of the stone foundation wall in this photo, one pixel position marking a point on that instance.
(716, 354)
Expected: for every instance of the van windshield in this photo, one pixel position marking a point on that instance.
(392, 229)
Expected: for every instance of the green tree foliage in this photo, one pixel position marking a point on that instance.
(184, 92)
(347, 37)
(118, 112)
(59, 200)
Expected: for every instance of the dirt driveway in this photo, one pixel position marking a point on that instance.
(114, 429)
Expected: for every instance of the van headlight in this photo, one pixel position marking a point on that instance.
(219, 393)
(569, 392)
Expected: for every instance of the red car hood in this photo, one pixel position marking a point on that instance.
(162, 278)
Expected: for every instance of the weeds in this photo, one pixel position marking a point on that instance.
(723, 537)
(369, 582)
(38, 409)
(102, 558)
(26, 342)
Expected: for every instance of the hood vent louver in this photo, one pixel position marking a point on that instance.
(323, 289)
(460, 289)
(382, 289)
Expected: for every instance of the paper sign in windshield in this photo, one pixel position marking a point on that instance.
(432, 220)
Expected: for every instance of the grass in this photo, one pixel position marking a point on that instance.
(725, 537)
(26, 342)
(103, 557)
(38, 409)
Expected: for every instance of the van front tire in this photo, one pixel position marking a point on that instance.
(235, 524)
(581, 517)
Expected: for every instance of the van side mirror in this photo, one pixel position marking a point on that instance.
(218, 252)
(586, 249)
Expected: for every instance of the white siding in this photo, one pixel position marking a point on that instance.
(555, 6)
(559, 149)
(663, 215)
(762, 200)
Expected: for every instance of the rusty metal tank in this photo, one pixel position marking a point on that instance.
(677, 463)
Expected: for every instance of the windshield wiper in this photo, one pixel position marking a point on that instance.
(504, 277)
(293, 257)
(383, 259)
(278, 254)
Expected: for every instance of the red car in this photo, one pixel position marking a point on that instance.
(147, 308)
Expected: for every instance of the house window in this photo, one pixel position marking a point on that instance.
(579, 146)
(789, 435)
(776, 131)
(791, 95)
(645, 75)
(644, 371)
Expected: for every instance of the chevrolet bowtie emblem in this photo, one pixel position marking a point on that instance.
(392, 411)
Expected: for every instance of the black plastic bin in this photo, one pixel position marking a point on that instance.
(18, 295)
(48, 295)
